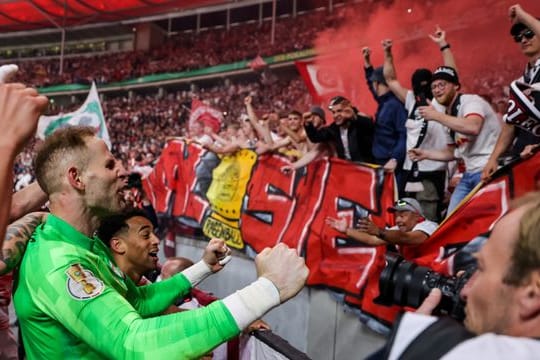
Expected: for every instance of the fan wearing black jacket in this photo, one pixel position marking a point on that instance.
(351, 132)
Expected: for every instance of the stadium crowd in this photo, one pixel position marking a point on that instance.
(418, 131)
(182, 52)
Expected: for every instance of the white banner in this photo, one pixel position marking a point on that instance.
(89, 114)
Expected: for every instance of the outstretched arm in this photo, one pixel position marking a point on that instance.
(440, 39)
(20, 108)
(396, 237)
(418, 154)
(504, 141)
(262, 132)
(307, 158)
(30, 198)
(17, 236)
(355, 234)
(517, 14)
(389, 72)
(368, 70)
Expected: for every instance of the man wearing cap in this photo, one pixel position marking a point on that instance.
(520, 132)
(390, 134)
(411, 227)
(425, 180)
(319, 117)
(351, 133)
(473, 126)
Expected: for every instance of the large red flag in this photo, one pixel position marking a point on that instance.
(477, 214)
(329, 75)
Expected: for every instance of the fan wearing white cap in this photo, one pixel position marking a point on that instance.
(411, 226)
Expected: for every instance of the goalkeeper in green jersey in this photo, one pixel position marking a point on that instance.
(74, 303)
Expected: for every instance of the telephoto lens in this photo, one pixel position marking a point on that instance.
(404, 283)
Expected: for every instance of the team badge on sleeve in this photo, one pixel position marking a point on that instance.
(82, 284)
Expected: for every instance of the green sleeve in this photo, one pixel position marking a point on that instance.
(153, 299)
(110, 325)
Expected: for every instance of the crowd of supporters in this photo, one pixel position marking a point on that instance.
(434, 121)
(183, 52)
(139, 125)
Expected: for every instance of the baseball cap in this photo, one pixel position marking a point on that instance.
(317, 110)
(377, 75)
(445, 73)
(407, 204)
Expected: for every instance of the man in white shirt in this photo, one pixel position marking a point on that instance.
(474, 129)
(426, 179)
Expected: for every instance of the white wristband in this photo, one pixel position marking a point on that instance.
(252, 302)
(197, 272)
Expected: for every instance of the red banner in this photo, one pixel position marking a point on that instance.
(248, 201)
(478, 213)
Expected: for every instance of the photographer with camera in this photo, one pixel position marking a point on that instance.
(412, 228)
(502, 311)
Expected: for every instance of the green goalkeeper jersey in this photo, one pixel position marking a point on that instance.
(74, 303)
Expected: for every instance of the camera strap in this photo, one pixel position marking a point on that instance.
(453, 111)
(414, 174)
(436, 340)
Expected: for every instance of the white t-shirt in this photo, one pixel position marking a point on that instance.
(344, 133)
(487, 346)
(531, 71)
(204, 140)
(496, 347)
(476, 150)
(426, 226)
(435, 135)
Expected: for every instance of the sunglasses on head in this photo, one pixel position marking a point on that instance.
(336, 100)
(400, 203)
(527, 34)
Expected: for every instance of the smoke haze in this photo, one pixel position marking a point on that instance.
(478, 31)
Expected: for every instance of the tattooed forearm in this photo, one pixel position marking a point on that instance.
(14, 243)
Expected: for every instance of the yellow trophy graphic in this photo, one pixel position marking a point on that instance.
(76, 274)
(225, 195)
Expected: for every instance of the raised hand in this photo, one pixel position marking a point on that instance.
(337, 224)
(439, 36)
(284, 268)
(216, 254)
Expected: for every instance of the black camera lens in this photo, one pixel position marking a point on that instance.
(404, 283)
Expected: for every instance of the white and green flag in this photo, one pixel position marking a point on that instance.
(89, 114)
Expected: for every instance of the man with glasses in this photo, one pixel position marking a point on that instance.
(473, 126)
(351, 132)
(426, 180)
(519, 129)
(411, 229)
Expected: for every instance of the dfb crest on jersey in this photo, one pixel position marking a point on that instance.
(82, 284)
